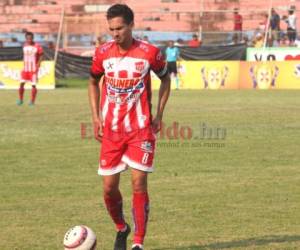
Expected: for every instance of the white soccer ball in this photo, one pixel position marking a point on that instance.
(80, 238)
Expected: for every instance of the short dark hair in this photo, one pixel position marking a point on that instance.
(120, 10)
(29, 34)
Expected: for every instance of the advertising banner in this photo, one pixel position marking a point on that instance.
(204, 75)
(268, 75)
(273, 54)
(10, 73)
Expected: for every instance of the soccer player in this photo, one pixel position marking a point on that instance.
(122, 118)
(32, 57)
(172, 55)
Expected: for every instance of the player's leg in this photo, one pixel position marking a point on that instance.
(21, 93)
(33, 89)
(114, 204)
(113, 200)
(140, 206)
(139, 156)
(110, 167)
(24, 78)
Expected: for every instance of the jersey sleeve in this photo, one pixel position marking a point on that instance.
(39, 50)
(158, 64)
(97, 69)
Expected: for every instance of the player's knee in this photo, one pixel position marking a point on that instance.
(110, 190)
(139, 186)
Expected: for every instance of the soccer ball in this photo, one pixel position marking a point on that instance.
(80, 238)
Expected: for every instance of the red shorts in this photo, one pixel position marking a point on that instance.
(27, 76)
(120, 150)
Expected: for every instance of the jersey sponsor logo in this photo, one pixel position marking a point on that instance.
(146, 146)
(122, 99)
(124, 85)
(110, 66)
(139, 66)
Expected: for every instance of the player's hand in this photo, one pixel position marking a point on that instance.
(156, 124)
(98, 129)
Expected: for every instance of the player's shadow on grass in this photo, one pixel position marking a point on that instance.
(251, 242)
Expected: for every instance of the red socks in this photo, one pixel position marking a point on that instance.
(114, 206)
(140, 211)
(21, 92)
(33, 94)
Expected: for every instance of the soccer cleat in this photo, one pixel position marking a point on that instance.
(137, 247)
(19, 102)
(121, 239)
(31, 104)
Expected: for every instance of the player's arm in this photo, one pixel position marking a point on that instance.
(97, 72)
(178, 54)
(40, 57)
(40, 60)
(94, 99)
(164, 92)
(159, 66)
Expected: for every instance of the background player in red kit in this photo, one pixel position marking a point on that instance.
(122, 118)
(32, 57)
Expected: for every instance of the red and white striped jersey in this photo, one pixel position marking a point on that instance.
(31, 56)
(126, 89)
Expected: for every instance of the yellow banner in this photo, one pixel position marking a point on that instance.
(235, 75)
(10, 74)
(270, 74)
(205, 75)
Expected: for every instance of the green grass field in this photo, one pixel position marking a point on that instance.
(237, 192)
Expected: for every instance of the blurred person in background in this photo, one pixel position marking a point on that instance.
(179, 43)
(237, 23)
(284, 41)
(258, 41)
(297, 42)
(246, 41)
(32, 57)
(263, 24)
(275, 26)
(146, 39)
(51, 45)
(234, 39)
(172, 55)
(100, 40)
(194, 43)
(291, 21)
